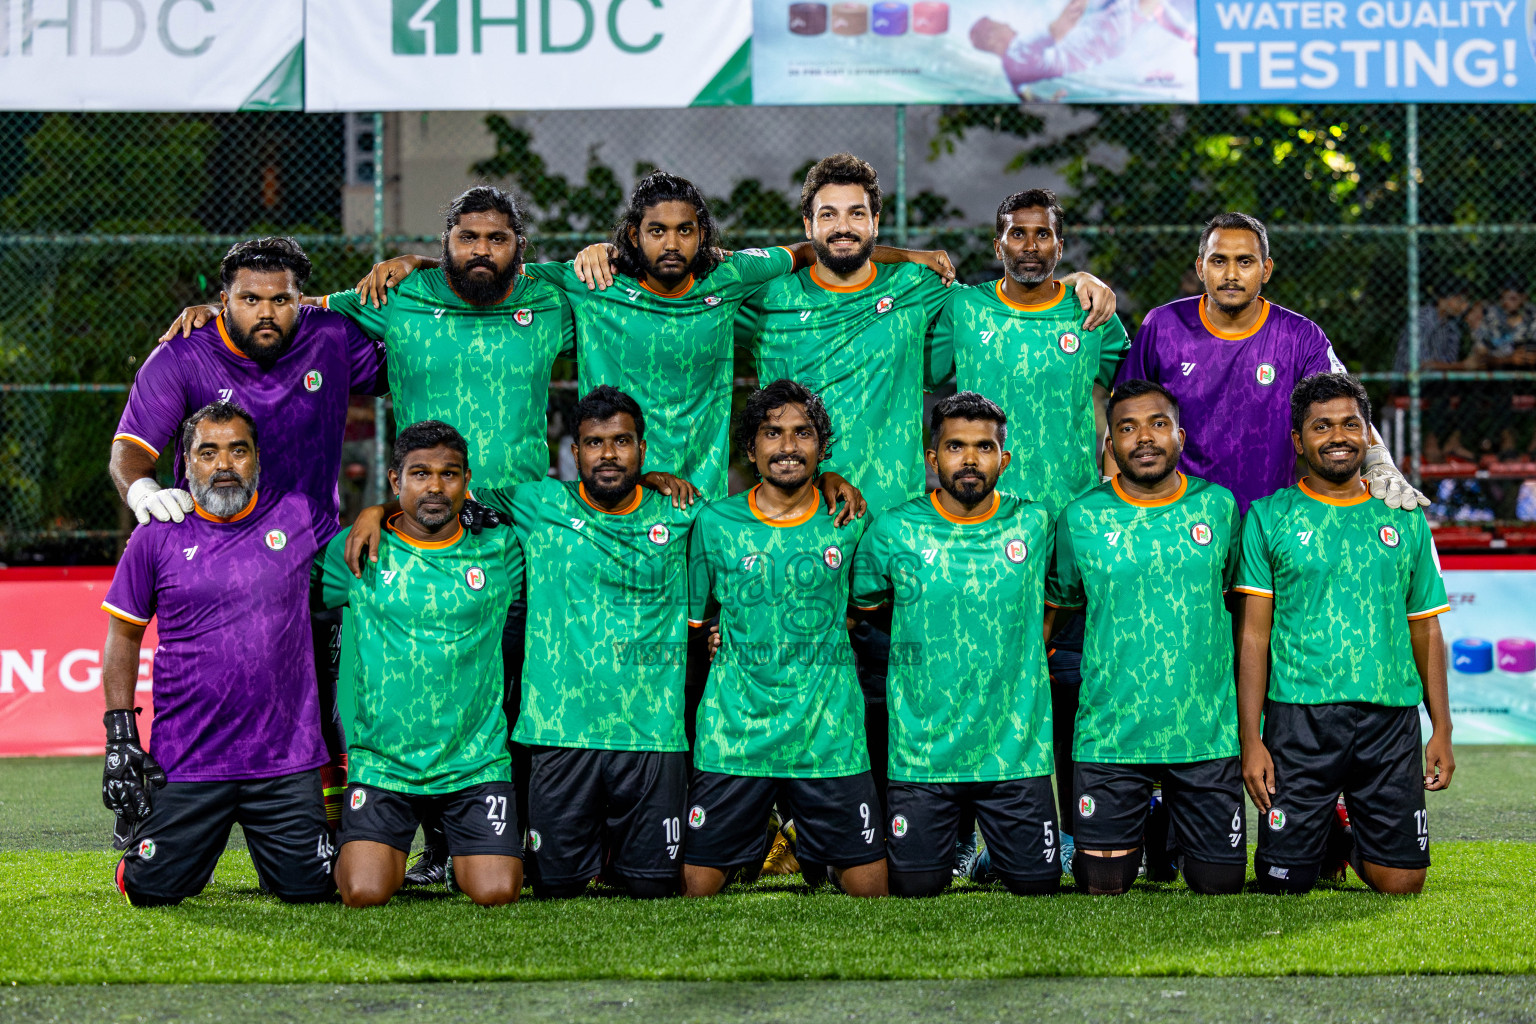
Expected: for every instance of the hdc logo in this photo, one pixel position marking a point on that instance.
(421, 27)
(424, 26)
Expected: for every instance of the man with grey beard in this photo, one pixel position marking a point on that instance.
(237, 711)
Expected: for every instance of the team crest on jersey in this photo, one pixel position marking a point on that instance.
(833, 556)
(1086, 806)
(475, 577)
(1265, 374)
(535, 840)
(313, 380)
(711, 300)
(1016, 550)
(147, 849)
(1276, 819)
(276, 539)
(696, 817)
(1069, 343)
(358, 799)
(524, 317)
(1200, 533)
(1389, 536)
(898, 826)
(885, 304)
(659, 533)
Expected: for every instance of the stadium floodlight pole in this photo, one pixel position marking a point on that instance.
(901, 175)
(1415, 384)
(377, 488)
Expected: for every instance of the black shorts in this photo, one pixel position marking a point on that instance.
(837, 819)
(1204, 799)
(478, 820)
(172, 853)
(1368, 752)
(622, 808)
(1016, 818)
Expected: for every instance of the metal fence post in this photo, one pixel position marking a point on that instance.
(901, 175)
(1415, 386)
(378, 488)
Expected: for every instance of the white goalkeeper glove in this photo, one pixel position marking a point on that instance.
(167, 504)
(1387, 482)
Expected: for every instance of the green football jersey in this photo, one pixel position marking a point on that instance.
(674, 354)
(1040, 365)
(1157, 640)
(970, 697)
(782, 698)
(863, 349)
(607, 617)
(425, 625)
(1346, 577)
(483, 370)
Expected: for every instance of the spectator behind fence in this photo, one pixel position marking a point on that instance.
(1442, 330)
(1507, 333)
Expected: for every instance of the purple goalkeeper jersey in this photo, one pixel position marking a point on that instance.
(1234, 389)
(300, 404)
(234, 675)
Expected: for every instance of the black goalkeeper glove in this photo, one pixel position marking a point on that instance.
(477, 517)
(130, 771)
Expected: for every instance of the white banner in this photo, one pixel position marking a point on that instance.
(152, 54)
(524, 54)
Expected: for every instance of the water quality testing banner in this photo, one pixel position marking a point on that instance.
(975, 51)
(1490, 637)
(525, 54)
(1351, 51)
(191, 55)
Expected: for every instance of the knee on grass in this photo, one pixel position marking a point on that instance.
(1106, 876)
(1285, 880)
(1203, 876)
(918, 884)
(1032, 886)
(364, 892)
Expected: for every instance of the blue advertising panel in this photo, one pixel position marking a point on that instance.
(1490, 638)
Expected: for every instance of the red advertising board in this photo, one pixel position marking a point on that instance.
(52, 630)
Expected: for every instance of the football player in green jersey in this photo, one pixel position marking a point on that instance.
(781, 717)
(970, 709)
(1021, 341)
(429, 740)
(1341, 643)
(1151, 554)
(603, 696)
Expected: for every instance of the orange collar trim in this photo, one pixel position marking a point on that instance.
(1234, 335)
(997, 502)
(1032, 307)
(803, 518)
(874, 272)
(1155, 502)
(228, 343)
(249, 508)
(1359, 499)
(431, 545)
(634, 502)
(684, 290)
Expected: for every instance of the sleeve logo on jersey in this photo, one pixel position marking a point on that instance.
(1265, 374)
(659, 533)
(1201, 534)
(1276, 819)
(524, 317)
(1389, 536)
(313, 380)
(276, 540)
(833, 556)
(1016, 550)
(475, 577)
(358, 799)
(760, 253)
(696, 817)
(1069, 343)
(711, 300)
(1086, 806)
(147, 849)
(898, 826)
(885, 304)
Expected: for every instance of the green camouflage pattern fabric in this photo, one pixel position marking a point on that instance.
(1040, 365)
(424, 625)
(607, 617)
(484, 370)
(863, 350)
(969, 693)
(1346, 578)
(782, 699)
(1157, 639)
(675, 355)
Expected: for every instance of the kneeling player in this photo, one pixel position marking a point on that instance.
(237, 711)
(1343, 594)
(1151, 553)
(430, 741)
(970, 696)
(782, 719)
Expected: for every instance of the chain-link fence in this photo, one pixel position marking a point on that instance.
(111, 223)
